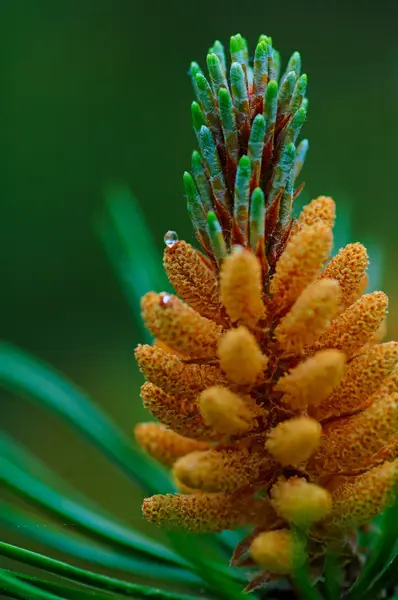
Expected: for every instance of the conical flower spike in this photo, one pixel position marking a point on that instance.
(294, 441)
(241, 288)
(300, 502)
(268, 372)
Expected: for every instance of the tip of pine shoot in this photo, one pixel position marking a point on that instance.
(217, 46)
(272, 90)
(212, 61)
(259, 121)
(244, 163)
(265, 38)
(189, 184)
(290, 151)
(201, 81)
(303, 80)
(198, 119)
(194, 69)
(257, 195)
(211, 218)
(237, 43)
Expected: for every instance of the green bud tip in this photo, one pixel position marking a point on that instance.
(223, 95)
(237, 73)
(212, 221)
(303, 146)
(291, 78)
(261, 48)
(257, 198)
(302, 80)
(201, 81)
(189, 184)
(272, 90)
(300, 115)
(259, 121)
(265, 38)
(197, 115)
(237, 43)
(212, 61)
(289, 151)
(244, 164)
(194, 69)
(196, 157)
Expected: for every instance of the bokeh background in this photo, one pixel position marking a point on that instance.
(95, 91)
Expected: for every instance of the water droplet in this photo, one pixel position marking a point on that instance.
(170, 238)
(165, 299)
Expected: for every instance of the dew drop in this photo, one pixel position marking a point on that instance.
(170, 238)
(165, 299)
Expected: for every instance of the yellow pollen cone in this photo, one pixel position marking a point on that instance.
(277, 551)
(294, 441)
(241, 288)
(299, 502)
(240, 356)
(225, 412)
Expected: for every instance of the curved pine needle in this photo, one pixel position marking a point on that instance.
(73, 573)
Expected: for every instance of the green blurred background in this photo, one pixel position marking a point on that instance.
(97, 90)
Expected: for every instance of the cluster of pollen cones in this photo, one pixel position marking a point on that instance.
(276, 400)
